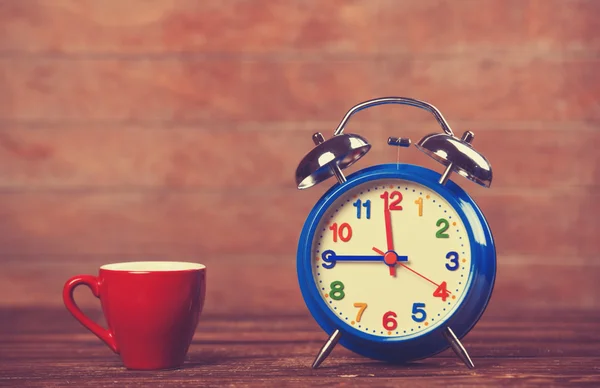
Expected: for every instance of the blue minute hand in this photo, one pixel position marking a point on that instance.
(330, 258)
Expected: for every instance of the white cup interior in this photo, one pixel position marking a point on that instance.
(153, 266)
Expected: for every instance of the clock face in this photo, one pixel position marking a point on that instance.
(391, 258)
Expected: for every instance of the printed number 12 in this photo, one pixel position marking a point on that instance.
(366, 205)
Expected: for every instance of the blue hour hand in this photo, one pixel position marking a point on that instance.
(329, 258)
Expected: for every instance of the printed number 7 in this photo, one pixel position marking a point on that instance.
(361, 307)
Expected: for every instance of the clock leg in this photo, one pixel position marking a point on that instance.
(327, 348)
(458, 348)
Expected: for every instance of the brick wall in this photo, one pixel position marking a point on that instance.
(172, 129)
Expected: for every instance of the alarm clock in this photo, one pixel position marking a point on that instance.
(396, 262)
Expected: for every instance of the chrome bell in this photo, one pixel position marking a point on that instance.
(457, 155)
(329, 157)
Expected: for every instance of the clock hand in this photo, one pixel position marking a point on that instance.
(408, 268)
(382, 253)
(388, 227)
(387, 215)
(390, 258)
(416, 273)
(329, 258)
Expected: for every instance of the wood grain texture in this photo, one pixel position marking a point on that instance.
(231, 26)
(193, 89)
(166, 130)
(490, 27)
(349, 27)
(163, 129)
(500, 89)
(249, 155)
(180, 89)
(508, 348)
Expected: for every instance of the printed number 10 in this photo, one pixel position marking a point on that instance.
(366, 205)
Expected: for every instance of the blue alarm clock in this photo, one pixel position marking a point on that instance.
(395, 262)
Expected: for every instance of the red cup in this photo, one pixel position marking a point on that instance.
(152, 310)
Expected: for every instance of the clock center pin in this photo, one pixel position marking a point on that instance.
(390, 258)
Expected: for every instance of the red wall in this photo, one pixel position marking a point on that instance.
(172, 129)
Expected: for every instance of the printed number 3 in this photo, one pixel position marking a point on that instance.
(453, 257)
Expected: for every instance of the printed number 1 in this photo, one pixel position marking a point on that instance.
(366, 205)
(420, 203)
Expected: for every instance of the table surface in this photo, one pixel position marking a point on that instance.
(46, 347)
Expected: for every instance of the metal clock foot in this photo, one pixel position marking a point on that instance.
(458, 348)
(327, 348)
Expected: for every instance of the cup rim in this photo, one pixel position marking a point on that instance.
(152, 266)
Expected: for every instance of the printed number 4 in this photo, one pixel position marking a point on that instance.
(442, 291)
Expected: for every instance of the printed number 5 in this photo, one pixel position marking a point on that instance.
(418, 313)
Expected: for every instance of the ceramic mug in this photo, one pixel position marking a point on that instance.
(151, 308)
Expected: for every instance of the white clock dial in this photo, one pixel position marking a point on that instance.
(431, 256)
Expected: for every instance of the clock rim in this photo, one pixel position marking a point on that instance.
(465, 316)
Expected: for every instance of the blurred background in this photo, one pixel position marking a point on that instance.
(164, 129)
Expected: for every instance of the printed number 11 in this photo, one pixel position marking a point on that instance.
(366, 205)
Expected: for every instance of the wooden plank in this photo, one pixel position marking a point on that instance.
(498, 89)
(220, 157)
(193, 89)
(264, 284)
(232, 26)
(160, 222)
(180, 89)
(277, 350)
(310, 26)
(214, 157)
(490, 27)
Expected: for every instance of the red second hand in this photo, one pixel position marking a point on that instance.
(410, 269)
(382, 253)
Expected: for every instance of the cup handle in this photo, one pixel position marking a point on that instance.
(94, 284)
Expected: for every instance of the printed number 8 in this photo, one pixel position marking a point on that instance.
(337, 290)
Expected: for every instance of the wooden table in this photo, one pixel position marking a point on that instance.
(48, 348)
